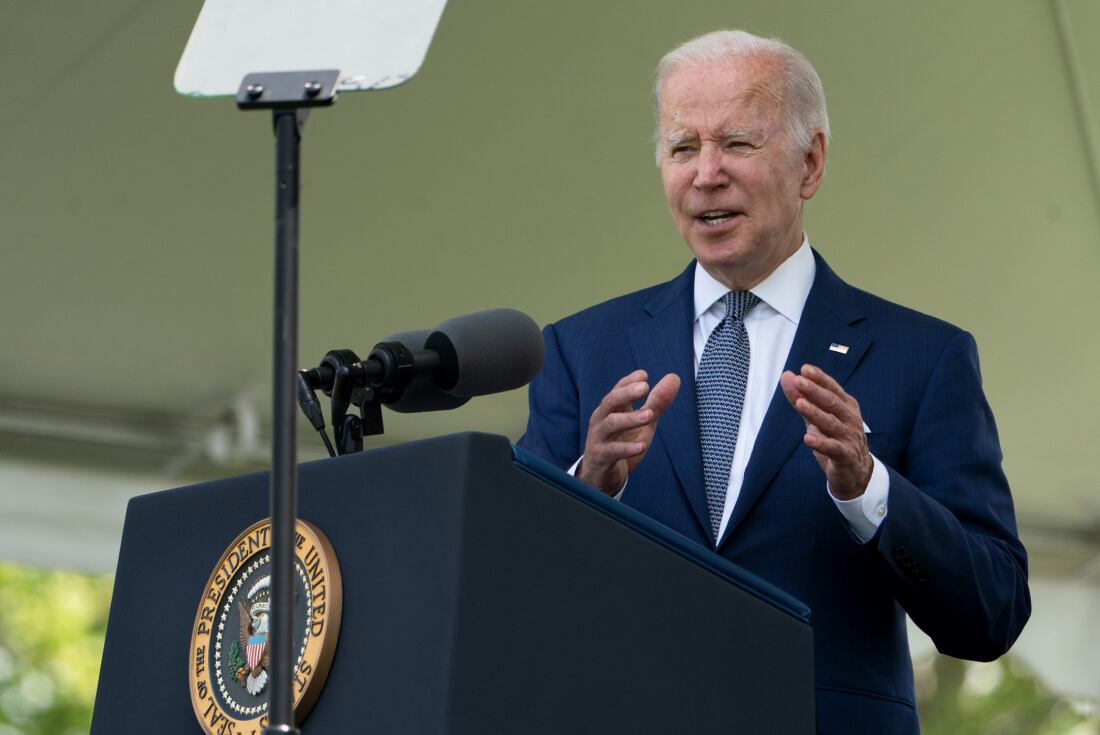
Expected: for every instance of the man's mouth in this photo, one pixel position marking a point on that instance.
(714, 217)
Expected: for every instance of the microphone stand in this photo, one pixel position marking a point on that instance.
(289, 95)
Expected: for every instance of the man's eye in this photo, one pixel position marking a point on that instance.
(680, 150)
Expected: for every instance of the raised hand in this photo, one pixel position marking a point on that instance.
(834, 429)
(618, 434)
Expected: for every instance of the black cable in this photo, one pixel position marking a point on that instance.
(328, 444)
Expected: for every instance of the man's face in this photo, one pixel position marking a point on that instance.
(734, 182)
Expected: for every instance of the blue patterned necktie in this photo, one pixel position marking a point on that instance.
(720, 396)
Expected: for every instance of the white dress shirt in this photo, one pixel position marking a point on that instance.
(771, 326)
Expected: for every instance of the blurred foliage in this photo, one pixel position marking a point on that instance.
(999, 698)
(52, 626)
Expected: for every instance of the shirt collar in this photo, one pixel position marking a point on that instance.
(785, 289)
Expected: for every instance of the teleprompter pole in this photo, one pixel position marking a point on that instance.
(289, 95)
(284, 475)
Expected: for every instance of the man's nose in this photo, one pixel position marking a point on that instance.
(709, 172)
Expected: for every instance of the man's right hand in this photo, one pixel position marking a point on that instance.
(619, 435)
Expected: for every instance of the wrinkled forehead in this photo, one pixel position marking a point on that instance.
(748, 89)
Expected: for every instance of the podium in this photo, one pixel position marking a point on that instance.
(484, 591)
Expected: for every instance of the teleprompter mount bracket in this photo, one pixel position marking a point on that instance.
(287, 89)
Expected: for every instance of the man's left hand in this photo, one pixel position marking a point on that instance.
(834, 429)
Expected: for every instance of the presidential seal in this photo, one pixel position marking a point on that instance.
(228, 664)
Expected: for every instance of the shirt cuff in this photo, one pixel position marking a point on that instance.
(867, 512)
(573, 471)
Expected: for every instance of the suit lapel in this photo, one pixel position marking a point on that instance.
(662, 345)
(827, 318)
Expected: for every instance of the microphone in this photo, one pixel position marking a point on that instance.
(486, 352)
(465, 356)
(422, 370)
(421, 394)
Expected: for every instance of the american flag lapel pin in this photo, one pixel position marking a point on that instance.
(842, 349)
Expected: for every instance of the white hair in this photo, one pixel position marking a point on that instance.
(804, 104)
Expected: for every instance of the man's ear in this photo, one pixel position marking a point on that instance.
(813, 162)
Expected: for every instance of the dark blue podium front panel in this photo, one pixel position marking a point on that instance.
(481, 595)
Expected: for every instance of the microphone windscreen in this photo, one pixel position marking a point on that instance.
(422, 394)
(487, 352)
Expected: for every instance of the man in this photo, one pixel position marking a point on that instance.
(835, 444)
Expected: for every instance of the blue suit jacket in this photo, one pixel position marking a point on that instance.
(948, 552)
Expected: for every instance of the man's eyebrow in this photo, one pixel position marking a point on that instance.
(681, 138)
(745, 133)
